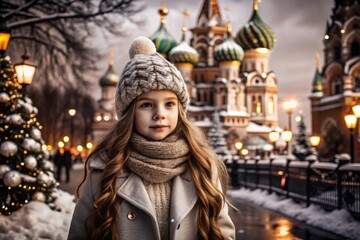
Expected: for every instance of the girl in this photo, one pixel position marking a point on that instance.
(153, 176)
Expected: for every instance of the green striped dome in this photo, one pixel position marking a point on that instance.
(229, 50)
(163, 41)
(255, 34)
(183, 53)
(317, 82)
(110, 78)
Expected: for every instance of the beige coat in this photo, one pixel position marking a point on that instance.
(137, 218)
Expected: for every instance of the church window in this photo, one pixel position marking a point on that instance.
(253, 105)
(355, 49)
(258, 106)
(198, 96)
(357, 82)
(337, 86)
(337, 52)
(224, 99)
(202, 78)
(271, 106)
(202, 56)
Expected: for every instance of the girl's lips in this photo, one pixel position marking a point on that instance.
(158, 127)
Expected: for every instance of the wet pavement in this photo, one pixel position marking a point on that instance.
(252, 222)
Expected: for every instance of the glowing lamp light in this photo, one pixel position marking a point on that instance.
(274, 136)
(350, 121)
(72, 112)
(66, 139)
(61, 144)
(4, 37)
(356, 110)
(286, 135)
(80, 148)
(244, 152)
(25, 70)
(238, 145)
(314, 140)
(289, 105)
(89, 145)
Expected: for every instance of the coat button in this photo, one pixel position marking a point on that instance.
(131, 216)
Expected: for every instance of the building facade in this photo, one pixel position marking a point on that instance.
(336, 87)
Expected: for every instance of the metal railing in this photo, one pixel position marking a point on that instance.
(330, 185)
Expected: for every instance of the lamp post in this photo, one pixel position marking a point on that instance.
(289, 108)
(287, 136)
(274, 137)
(25, 71)
(72, 113)
(350, 121)
(244, 152)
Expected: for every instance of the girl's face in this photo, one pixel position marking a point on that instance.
(156, 114)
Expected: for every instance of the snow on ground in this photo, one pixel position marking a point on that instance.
(36, 221)
(337, 221)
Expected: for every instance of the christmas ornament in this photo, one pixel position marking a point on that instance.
(4, 169)
(15, 119)
(12, 178)
(21, 102)
(28, 108)
(48, 165)
(8, 148)
(28, 100)
(28, 144)
(35, 134)
(30, 162)
(46, 154)
(36, 147)
(39, 196)
(43, 178)
(36, 110)
(4, 97)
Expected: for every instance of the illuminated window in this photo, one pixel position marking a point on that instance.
(271, 106)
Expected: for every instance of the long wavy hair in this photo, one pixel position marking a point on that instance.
(204, 166)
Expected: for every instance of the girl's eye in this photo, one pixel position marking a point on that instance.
(170, 104)
(146, 105)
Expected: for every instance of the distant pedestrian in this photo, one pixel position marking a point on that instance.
(58, 164)
(67, 162)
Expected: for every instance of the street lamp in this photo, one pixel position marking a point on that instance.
(350, 121)
(315, 141)
(238, 146)
(289, 107)
(72, 113)
(287, 136)
(5, 35)
(274, 137)
(244, 152)
(25, 71)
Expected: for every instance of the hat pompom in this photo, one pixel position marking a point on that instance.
(141, 45)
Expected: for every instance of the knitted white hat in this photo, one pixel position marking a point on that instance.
(147, 70)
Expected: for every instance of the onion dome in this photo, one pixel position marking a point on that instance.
(183, 53)
(162, 39)
(110, 78)
(255, 33)
(317, 80)
(229, 50)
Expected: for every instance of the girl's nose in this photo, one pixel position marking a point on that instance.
(159, 114)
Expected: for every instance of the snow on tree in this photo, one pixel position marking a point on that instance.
(302, 147)
(26, 174)
(216, 138)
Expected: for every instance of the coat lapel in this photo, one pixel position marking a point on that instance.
(132, 189)
(183, 198)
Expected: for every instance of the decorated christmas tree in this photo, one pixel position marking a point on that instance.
(302, 147)
(26, 174)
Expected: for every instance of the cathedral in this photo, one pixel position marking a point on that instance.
(336, 86)
(227, 75)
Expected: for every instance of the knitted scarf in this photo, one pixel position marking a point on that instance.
(157, 162)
